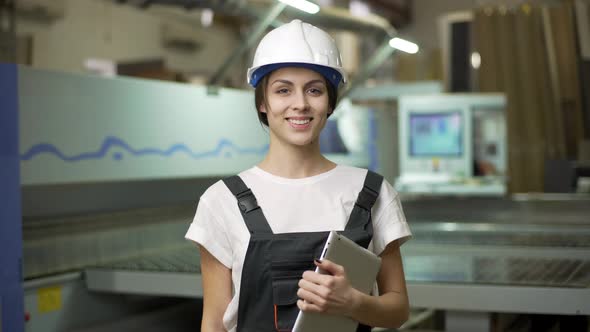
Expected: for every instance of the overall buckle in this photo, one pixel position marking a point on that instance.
(247, 201)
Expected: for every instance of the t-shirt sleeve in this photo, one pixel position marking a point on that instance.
(389, 223)
(207, 231)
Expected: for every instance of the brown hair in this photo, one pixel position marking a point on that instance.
(260, 98)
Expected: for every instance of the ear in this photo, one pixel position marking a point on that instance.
(262, 108)
(329, 113)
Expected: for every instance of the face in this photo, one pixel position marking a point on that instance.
(297, 105)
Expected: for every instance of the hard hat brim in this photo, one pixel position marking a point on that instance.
(332, 76)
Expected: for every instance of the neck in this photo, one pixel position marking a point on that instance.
(295, 162)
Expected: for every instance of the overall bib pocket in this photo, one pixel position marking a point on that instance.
(285, 283)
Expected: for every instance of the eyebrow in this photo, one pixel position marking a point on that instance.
(291, 83)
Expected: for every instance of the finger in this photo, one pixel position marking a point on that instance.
(309, 307)
(320, 279)
(315, 288)
(311, 297)
(330, 267)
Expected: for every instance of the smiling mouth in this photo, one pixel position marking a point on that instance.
(299, 121)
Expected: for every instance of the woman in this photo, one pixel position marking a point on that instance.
(259, 232)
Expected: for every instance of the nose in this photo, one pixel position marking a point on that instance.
(300, 101)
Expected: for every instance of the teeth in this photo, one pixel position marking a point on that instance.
(299, 122)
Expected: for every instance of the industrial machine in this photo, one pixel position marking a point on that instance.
(111, 170)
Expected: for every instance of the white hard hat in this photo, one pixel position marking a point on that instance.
(297, 44)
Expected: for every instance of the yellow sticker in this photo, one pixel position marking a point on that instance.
(49, 299)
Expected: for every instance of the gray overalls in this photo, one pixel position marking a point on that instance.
(274, 263)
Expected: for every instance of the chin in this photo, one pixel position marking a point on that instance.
(302, 142)
(301, 139)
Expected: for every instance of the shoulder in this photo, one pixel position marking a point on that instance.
(219, 193)
(388, 199)
(350, 176)
(387, 192)
(351, 171)
(217, 196)
(216, 191)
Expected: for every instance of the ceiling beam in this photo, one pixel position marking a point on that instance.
(399, 13)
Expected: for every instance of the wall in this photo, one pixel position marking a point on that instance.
(102, 29)
(424, 28)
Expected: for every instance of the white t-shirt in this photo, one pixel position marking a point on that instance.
(318, 203)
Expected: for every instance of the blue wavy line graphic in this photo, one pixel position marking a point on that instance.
(111, 142)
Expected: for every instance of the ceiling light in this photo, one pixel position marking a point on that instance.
(403, 45)
(304, 5)
(207, 17)
(358, 8)
(475, 60)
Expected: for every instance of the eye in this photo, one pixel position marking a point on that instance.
(315, 91)
(282, 91)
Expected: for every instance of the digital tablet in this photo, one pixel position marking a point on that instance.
(361, 266)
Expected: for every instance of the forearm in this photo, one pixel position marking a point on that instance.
(217, 285)
(212, 320)
(389, 310)
(210, 326)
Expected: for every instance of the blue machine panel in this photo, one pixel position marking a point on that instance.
(11, 291)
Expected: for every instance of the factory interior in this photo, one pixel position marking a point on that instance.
(477, 112)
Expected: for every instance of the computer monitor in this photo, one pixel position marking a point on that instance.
(436, 134)
(444, 137)
(434, 138)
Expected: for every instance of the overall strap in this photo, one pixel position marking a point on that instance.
(251, 212)
(360, 217)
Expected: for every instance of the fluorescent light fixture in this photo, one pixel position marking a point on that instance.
(358, 8)
(403, 45)
(207, 17)
(304, 5)
(475, 60)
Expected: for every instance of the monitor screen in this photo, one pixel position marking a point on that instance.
(436, 134)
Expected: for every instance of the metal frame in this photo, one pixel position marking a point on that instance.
(392, 91)
(467, 302)
(256, 33)
(382, 53)
(446, 296)
(508, 299)
(422, 249)
(487, 227)
(145, 283)
(467, 306)
(462, 295)
(11, 291)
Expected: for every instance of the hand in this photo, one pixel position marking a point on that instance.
(327, 293)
